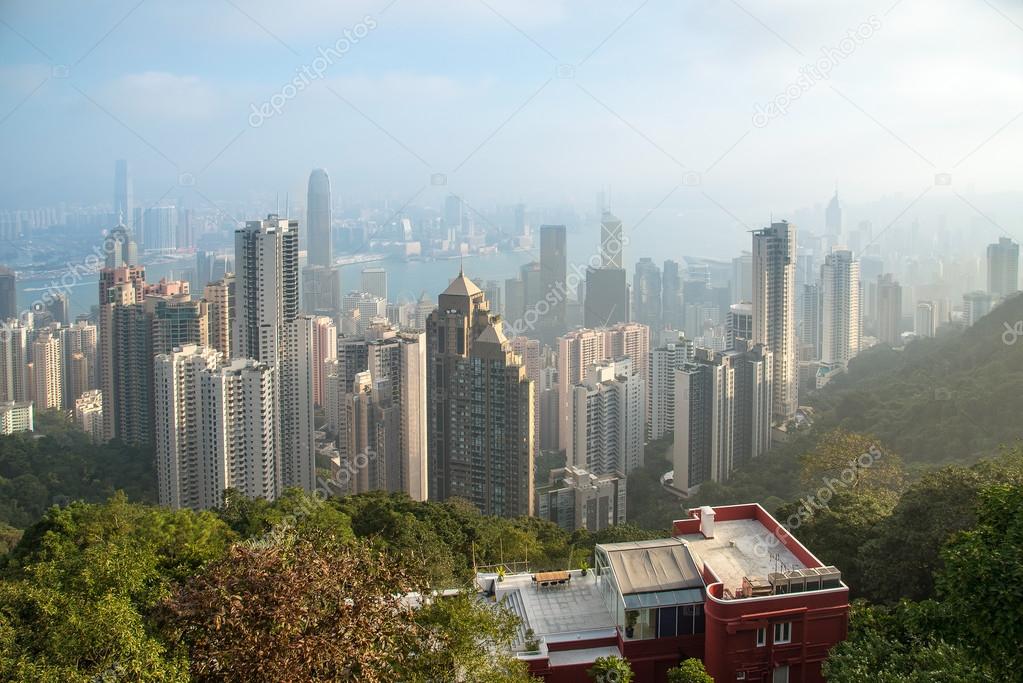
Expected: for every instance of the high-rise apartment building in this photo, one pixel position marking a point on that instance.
(48, 369)
(774, 304)
(269, 329)
(239, 446)
(664, 362)
(178, 401)
(976, 305)
(371, 309)
(1003, 267)
(125, 355)
(608, 419)
(377, 408)
(723, 413)
(926, 319)
(481, 407)
(529, 351)
(16, 417)
(889, 310)
(266, 287)
(840, 309)
(324, 351)
(216, 428)
(13, 360)
(809, 325)
(220, 302)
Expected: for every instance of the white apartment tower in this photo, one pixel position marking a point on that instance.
(774, 304)
(664, 362)
(608, 419)
(178, 411)
(840, 310)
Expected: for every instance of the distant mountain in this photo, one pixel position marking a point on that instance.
(952, 398)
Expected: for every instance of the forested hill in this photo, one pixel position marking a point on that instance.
(952, 398)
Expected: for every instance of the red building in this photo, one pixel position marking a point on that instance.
(731, 587)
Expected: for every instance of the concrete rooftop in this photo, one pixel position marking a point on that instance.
(571, 611)
(732, 553)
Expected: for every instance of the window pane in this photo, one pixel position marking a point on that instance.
(666, 622)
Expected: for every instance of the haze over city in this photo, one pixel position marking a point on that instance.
(541, 102)
(509, 341)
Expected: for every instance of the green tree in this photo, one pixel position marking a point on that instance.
(982, 581)
(611, 669)
(907, 643)
(76, 592)
(689, 671)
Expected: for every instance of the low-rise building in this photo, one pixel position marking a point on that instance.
(731, 587)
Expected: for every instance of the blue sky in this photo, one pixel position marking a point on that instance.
(658, 91)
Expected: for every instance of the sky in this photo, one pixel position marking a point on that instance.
(668, 104)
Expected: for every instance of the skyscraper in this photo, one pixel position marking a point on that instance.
(320, 248)
(611, 245)
(840, 309)
(374, 281)
(646, 293)
(8, 294)
(671, 295)
(742, 278)
(553, 276)
(889, 310)
(123, 206)
(774, 281)
(481, 407)
(739, 323)
(833, 219)
(1003, 267)
(607, 297)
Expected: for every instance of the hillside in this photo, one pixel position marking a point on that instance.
(949, 399)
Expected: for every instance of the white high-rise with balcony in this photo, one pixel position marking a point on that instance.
(774, 310)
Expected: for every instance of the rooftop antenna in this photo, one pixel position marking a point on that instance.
(278, 199)
(287, 205)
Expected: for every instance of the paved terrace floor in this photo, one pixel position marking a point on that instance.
(560, 610)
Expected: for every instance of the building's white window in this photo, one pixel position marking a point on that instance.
(782, 635)
(761, 637)
(781, 674)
